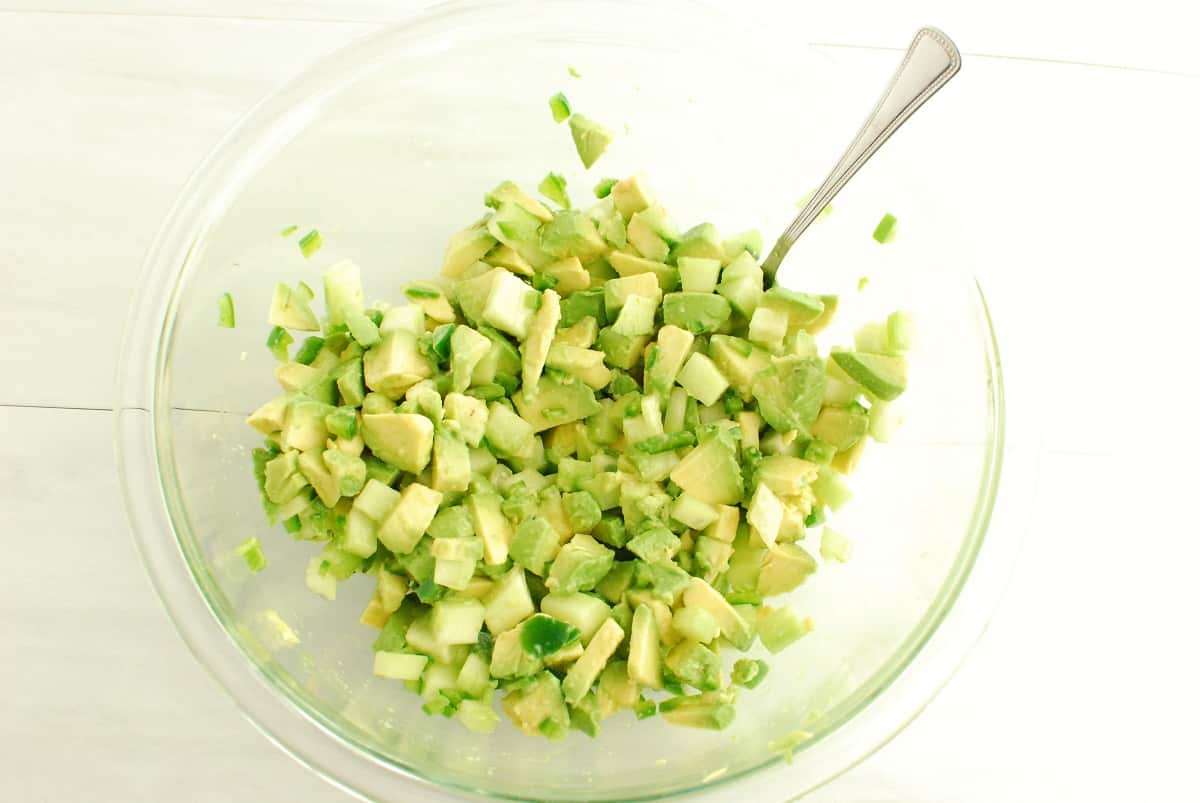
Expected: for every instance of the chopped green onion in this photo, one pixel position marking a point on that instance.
(310, 243)
(293, 524)
(441, 341)
(489, 392)
(421, 292)
(645, 708)
(886, 230)
(225, 316)
(666, 443)
(862, 283)
(278, 341)
(288, 231)
(251, 552)
(560, 107)
(554, 187)
(544, 281)
(574, 73)
(309, 350)
(604, 187)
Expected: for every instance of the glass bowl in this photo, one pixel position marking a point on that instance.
(387, 147)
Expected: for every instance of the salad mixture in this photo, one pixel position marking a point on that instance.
(580, 465)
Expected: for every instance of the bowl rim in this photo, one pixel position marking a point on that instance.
(918, 668)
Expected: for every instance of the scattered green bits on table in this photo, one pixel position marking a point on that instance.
(225, 315)
(288, 231)
(885, 230)
(577, 465)
(311, 243)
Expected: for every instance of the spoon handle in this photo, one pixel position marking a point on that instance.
(932, 60)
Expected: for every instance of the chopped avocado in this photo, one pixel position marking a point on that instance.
(580, 565)
(580, 464)
(395, 364)
(884, 375)
(701, 241)
(405, 440)
(699, 275)
(703, 381)
(538, 707)
(510, 305)
(541, 334)
(508, 602)
(583, 673)
(784, 569)
(742, 284)
(789, 392)
(621, 350)
(710, 473)
(554, 187)
(698, 313)
(572, 233)
(711, 710)
(629, 265)
(739, 362)
(289, 310)
(553, 402)
(778, 628)
(591, 138)
(695, 665)
(645, 664)
(841, 427)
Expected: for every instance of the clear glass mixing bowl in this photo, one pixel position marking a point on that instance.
(386, 148)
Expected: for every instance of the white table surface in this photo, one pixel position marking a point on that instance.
(1084, 686)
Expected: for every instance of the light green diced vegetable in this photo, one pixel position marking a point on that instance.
(580, 385)
(591, 138)
(779, 628)
(225, 315)
(885, 230)
(251, 552)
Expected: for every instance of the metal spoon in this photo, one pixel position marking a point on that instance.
(932, 60)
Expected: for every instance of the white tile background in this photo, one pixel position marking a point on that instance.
(1084, 687)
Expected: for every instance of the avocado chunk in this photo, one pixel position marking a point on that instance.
(699, 313)
(789, 393)
(395, 364)
(580, 565)
(701, 241)
(554, 402)
(711, 710)
(403, 439)
(884, 375)
(538, 707)
(710, 472)
(841, 427)
(785, 568)
(591, 138)
(572, 233)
